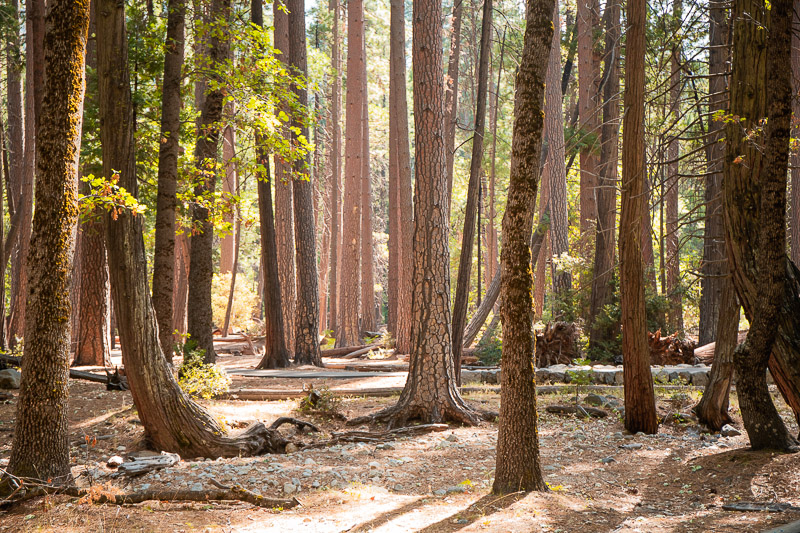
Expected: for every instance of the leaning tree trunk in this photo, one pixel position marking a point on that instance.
(168, 151)
(473, 191)
(40, 448)
(306, 344)
(518, 467)
(172, 421)
(640, 408)
(761, 419)
(430, 394)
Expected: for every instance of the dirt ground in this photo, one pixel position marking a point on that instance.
(675, 481)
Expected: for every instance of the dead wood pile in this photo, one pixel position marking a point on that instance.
(670, 350)
(558, 344)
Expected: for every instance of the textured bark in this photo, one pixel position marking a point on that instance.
(672, 183)
(399, 153)
(714, 263)
(336, 172)
(350, 279)
(492, 244)
(168, 151)
(15, 147)
(230, 187)
(588, 13)
(451, 94)
(557, 171)
(430, 394)
(712, 409)
(640, 408)
(181, 288)
(40, 448)
(172, 421)
(397, 44)
(761, 420)
(367, 256)
(539, 272)
(604, 256)
(794, 161)
(284, 203)
(306, 344)
(518, 467)
(473, 192)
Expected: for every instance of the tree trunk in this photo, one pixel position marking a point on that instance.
(712, 410)
(306, 345)
(16, 131)
(350, 280)
(794, 225)
(451, 95)
(336, 170)
(40, 448)
(404, 209)
(168, 152)
(492, 244)
(588, 85)
(473, 191)
(557, 172)
(181, 289)
(518, 467)
(430, 394)
(284, 203)
(367, 259)
(540, 272)
(172, 421)
(230, 187)
(672, 183)
(761, 420)
(604, 256)
(234, 269)
(640, 408)
(648, 255)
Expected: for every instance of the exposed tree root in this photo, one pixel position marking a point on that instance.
(455, 410)
(300, 424)
(377, 437)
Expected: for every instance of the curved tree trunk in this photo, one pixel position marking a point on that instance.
(306, 344)
(168, 151)
(40, 448)
(518, 467)
(640, 408)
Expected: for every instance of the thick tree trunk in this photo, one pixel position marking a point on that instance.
(712, 409)
(557, 171)
(588, 13)
(518, 467)
(172, 421)
(794, 166)
(672, 183)
(451, 95)
(404, 210)
(604, 256)
(284, 203)
(201, 269)
(306, 344)
(367, 259)
(350, 279)
(761, 420)
(336, 170)
(640, 409)
(473, 191)
(40, 448)
(167, 202)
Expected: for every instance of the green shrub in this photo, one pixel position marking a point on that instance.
(490, 351)
(199, 379)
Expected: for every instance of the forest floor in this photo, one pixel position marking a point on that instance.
(601, 478)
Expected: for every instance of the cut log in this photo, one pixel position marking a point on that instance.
(749, 507)
(144, 465)
(358, 353)
(576, 410)
(705, 353)
(338, 352)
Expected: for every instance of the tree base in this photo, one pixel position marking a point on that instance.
(452, 409)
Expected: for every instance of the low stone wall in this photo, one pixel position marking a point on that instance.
(696, 375)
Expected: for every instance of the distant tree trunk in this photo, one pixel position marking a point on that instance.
(397, 43)
(761, 420)
(714, 263)
(15, 170)
(230, 187)
(672, 183)
(648, 255)
(336, 171)
(172, 421)
(712, 409)
(640, 408)
(492, 246)
(181, 288)
(451, 95)
(367, 258)
(284, 203)
(795, 154)
(40, 447)
(201, 269)
(544, 252)
(401, 155)
(588, 84)
(518, 467)
(350, 280)
(557, 171)
(473, 191)
(306, 345)
(430, 394)
(167, 202)
(237, 236)
(604, 256)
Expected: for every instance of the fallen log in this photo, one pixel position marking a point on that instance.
(705, 353)
(114, 381)
(377, 437)
(363, 351)
(338, 352)
(144, 465)
(748, 507)
(576, 410)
